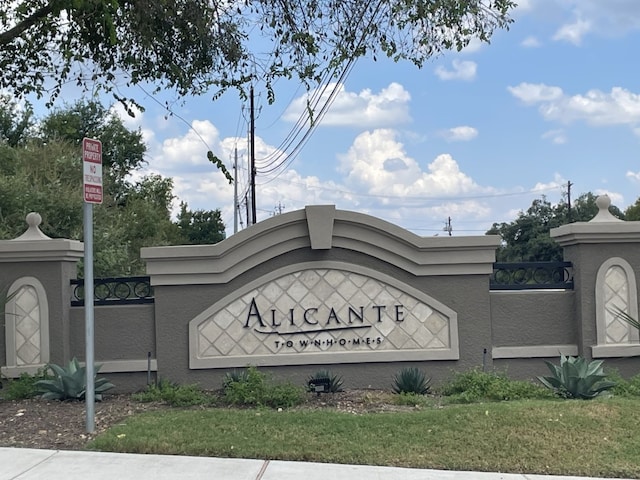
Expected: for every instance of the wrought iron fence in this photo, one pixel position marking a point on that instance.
(114, 291)
(505, 276)
(532, 276)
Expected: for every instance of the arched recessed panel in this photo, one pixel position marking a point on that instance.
(322, 314)
(27, 325)
(615, 292)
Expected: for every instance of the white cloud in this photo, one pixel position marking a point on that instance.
(573, 32)
(475, 44)
(524, 5)
(190, 149)
(531, 42)
(609, 18)
(378, 163)
(579, 18)
(132, 123)
(534, 93)
(558, 182)
(633, 176)
(557, 137)
(618, 107)
(460, 134)
(366, 109)
(462, 70)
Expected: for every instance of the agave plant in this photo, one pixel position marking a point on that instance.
(628, 318)
(411, 380)
(235, 376)
(577, 378)
(70, 383)
(332, 382)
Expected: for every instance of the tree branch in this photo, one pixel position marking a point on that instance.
(13, 33)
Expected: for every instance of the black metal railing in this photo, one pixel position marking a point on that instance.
(114, 291)
(532, 276)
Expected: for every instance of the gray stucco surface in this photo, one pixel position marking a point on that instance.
(525, 327)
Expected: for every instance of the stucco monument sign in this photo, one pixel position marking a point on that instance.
(321, 286)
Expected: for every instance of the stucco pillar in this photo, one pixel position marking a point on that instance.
(605, 253)
(35, 272)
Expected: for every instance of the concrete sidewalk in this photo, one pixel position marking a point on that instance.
(32, 464)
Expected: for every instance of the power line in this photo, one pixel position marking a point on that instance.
(312, 106)
(424, 198)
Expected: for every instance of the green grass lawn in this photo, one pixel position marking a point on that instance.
(572, 437)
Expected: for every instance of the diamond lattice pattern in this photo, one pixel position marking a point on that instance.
(322, 310)
(616, 296)
(27, 324)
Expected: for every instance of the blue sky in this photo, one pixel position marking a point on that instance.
(473, 136)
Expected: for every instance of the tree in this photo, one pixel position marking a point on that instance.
(585, 208)
(122, 149)
(16, 122)
(42, 178)
(632, 213)
(527, 238)
(44, 174)
(192, 45)
(139, 216)
(200, 227)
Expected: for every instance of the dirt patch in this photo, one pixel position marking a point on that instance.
(58, 425)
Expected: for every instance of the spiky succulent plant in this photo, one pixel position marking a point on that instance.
(70, 383)
(576, 377)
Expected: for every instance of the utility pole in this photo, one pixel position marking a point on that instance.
(569, 184)
(447, 226)
(235, 191)
(252, 166)
(279, 208)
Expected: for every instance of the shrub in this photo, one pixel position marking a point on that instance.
(624, 387)
(255, 389)
(174, 394)
(24, 386)
(413, 400)
(70, 383)
(577, 378)
(334, 382)
(476, 385)
(411, 380)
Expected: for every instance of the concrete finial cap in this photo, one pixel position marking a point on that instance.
(33, 232)
(604, 215)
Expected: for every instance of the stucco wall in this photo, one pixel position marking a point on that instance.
(533, 317)
(509, 331)
(120, 332)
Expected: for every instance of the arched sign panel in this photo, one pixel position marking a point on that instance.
(341, 313)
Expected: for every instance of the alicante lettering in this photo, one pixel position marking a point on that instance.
(321, 319)
(314, 317)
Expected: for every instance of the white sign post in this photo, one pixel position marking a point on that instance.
(92, 188)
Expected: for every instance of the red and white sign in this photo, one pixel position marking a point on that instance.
(92, 170)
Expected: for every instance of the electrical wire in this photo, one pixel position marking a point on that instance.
(317, 95)
(424, 198)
